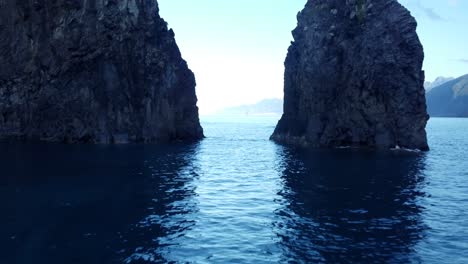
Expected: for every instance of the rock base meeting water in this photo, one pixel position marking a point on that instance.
(93, 72)
(354, 78)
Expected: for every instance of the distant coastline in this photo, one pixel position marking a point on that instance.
(449, 99)
(264, 107)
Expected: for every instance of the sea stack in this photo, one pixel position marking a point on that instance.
(354, 78)
(100, 71)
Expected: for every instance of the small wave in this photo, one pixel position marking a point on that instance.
(148, 257)
(398, 148)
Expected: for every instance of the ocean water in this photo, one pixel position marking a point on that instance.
(235, 197)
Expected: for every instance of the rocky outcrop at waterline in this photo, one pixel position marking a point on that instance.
(353, 77)
(100, 71)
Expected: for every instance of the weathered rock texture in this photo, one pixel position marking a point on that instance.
(98, 71)
(353, 77)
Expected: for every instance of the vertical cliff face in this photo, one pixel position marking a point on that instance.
(98, 71)
(353, 77)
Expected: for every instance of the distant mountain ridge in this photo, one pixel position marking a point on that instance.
(437, 82)
(449, 99)
(266, 106)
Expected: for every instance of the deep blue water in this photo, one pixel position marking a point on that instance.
(235, 197)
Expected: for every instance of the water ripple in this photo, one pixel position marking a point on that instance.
(235, 198)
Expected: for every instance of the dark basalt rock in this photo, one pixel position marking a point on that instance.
(97, 71)
(353, 77)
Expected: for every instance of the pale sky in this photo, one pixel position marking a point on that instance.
(237, 48)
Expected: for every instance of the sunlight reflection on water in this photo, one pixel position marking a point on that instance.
(235, 197)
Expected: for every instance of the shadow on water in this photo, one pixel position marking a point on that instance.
(346, 205)
(93, 204)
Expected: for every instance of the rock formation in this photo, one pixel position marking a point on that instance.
(97, 71)
(353, 77)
